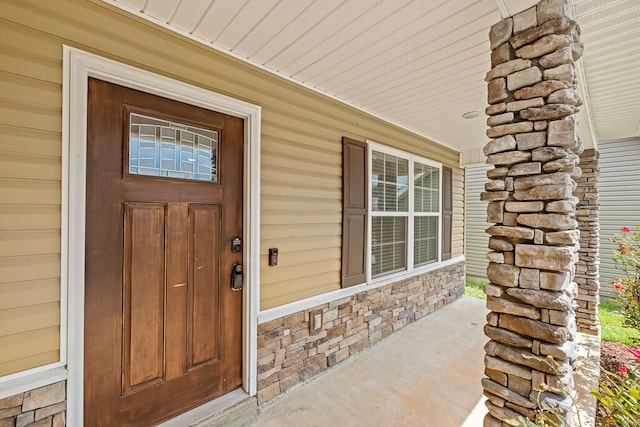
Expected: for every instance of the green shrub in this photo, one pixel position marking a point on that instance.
(627, 285)
(475, 288)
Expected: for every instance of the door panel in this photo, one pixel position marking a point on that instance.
(204, 300)
(144, 295)
(162, 325)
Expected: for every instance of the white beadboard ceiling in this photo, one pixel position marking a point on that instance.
(611, 34)
(416, 63)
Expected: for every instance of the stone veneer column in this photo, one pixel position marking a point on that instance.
(534, 243)
(588, 266)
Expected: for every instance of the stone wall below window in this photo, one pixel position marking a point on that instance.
(288, 353)
(42, 407)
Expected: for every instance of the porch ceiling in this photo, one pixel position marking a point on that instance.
(418, 64)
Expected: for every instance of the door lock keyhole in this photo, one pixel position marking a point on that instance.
(236, 277)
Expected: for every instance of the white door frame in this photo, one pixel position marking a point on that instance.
(78, 66)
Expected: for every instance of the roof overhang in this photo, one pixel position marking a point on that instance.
(419, 65)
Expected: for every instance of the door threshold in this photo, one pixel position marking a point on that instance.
(231, 409)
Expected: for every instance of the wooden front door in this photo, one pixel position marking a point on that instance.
(164, 203)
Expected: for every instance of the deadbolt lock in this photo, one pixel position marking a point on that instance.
(236, 244)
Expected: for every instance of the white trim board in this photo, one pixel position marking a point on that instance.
(78, 66)
(31, 379)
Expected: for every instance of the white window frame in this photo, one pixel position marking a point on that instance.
(410, 215)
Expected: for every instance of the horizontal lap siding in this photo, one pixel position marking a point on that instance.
(300, 159)
(457, 223)
(30, 197)
(619, 197)
(476, 222)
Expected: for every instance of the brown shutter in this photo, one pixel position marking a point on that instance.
(447, 211)
(354, 212)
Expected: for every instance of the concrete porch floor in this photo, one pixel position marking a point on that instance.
(427, 374)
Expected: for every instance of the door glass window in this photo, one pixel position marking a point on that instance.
(163, 148)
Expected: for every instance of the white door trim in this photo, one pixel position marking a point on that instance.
(78, 66)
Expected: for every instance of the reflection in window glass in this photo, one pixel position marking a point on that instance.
(388, 244)
(426, 188)
(390, 183)
(405, 211)
(162, 148)
(425, 240)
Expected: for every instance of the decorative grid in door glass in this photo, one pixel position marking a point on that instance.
(388, 244)
(425, 240)
(162, 148)
(390, 183)
(426, 186)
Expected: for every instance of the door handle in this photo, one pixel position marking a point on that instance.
(236, 277)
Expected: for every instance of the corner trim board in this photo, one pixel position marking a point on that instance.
(502, 7)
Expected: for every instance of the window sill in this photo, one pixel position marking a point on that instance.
(401, 275)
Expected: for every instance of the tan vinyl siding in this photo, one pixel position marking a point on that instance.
(300, 159)
(29, 349)
(30, 197)
(29, 293)
(476, 240)
(619, 197)
(29, 318)
(457, 224)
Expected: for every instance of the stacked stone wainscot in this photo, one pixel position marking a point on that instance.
(536, 235)
(42, 407)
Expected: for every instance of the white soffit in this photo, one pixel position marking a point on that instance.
(419, 64)
(611, 34)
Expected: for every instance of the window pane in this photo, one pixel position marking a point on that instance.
(388, 244)
(162, 148)
(426, 181)
(425, 239)
(389, 183)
